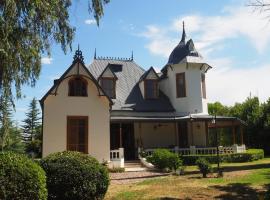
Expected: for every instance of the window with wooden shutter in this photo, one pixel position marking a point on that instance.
(150, 89)
(108, 85)
(77, 87)
(203, 86)
(77, 134)
(180, 85)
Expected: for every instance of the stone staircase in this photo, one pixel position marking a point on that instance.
(134, 166)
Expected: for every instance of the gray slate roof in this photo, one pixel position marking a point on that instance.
(128, 94)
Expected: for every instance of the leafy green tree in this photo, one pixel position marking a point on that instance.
(27, 30)
(32, 129)
(218, 109)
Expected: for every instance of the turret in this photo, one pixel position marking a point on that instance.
(183, 79)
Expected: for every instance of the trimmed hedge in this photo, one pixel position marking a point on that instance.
(73, 175)
(164, 159)
(21, 178)
(204, 166)
(248, 156)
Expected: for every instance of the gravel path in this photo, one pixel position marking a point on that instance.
(133, 177)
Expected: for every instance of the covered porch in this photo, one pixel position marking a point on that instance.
(183, 135)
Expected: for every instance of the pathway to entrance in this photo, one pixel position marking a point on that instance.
(133, 177)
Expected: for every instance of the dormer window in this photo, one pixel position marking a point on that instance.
(108, 85)
(151, 88)
(77, 87)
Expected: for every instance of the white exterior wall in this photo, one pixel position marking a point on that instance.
(161, 136)
(193, 102)
(57, 108)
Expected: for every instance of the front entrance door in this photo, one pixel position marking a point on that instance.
(183, 134)
(122, 135)
(128, 141)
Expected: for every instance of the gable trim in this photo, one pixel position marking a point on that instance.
(63, 77)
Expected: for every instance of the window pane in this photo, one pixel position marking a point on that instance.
(77, 134)
(151, 89)
(108, 86)
(203, 86)
(77, 87)
(181, 85)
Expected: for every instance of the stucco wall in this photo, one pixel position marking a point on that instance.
(152, 135)
(193, 102)
(56, 110)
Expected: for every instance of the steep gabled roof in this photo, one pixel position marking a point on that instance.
(144, 76)
(128, 94)
(78, 59)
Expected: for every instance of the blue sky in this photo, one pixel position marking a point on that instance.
(232, 38)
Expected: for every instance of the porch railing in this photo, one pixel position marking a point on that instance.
(117, 158)
(203, 150)
(117, 154)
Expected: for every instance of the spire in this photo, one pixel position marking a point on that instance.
(78, 55)
(95, 54)
(131, 55)
(183, 39)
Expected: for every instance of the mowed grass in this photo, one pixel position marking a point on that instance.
(240, 181)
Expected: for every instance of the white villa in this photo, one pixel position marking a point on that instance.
(113, 107)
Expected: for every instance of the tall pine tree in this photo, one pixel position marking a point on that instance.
(32, 129)
(10, 135)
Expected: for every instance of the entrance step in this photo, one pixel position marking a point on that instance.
(134, 166)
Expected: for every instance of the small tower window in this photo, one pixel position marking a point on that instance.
(77, 87)
(203, 86)
(180, 85)
(151, 89)
(108, 85)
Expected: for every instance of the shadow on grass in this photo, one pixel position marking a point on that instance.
(245, 167)
(238, 191)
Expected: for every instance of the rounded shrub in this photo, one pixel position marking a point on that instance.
(21, 178)
(204, 166)
(73, 175)
(163, 158)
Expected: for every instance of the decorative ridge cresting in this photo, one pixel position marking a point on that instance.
(78, 56)
(112, 58)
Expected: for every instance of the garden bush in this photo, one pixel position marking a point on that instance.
(21, 178)
(248, 156)
(164, 159)
(204, 166)
(73, 175)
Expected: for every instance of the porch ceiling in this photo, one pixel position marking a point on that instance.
(228, 121)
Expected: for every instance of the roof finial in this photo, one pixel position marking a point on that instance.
(95, 54)
(183, 39)
(78, 55)
(132, 55)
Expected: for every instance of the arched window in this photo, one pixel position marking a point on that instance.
(77, 87)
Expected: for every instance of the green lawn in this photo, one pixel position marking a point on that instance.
(240, 181)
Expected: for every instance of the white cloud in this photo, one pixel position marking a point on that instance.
(90, 21)
(232, 85)
(211, 31)
(46, 60)
(226, 82)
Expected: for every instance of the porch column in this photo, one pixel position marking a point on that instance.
(191, 131)
(206, 133)
(242, 135)
(176, 134)
(233, 132)
(120, 135)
